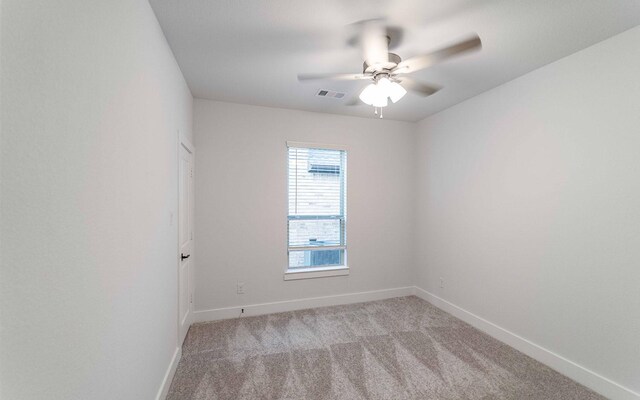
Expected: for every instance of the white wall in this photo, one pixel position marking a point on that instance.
(241, 202)
(529, 209)
(92, 100)
(527, 203)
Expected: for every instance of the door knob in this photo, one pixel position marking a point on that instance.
(183, 257)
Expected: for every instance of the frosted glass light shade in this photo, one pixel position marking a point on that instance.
(383, 84)
(380, 100)
(396, 91)
(368, 94)
(374, 96)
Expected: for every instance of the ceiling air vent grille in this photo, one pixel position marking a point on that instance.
(330, 93)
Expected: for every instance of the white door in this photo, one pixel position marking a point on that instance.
(185, 237)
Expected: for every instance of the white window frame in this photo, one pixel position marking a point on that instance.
(316, 272)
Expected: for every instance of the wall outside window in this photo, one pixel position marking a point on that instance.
(242, 203)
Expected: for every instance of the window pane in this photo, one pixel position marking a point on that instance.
(316, 232)
(315, 258)
(316, 182)
(317, 204)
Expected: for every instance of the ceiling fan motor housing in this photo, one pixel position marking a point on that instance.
(394, 60)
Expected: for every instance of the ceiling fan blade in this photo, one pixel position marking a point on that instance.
(419, 88)
(420, 62)
(394, 35)
(333, 77)
(375, 43)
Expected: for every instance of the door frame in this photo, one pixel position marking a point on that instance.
(183, 141)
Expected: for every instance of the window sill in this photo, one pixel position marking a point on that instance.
(310, 273)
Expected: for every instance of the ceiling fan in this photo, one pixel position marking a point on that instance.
(387, 71)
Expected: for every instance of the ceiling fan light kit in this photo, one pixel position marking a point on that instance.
(387, 71)
(377, 93)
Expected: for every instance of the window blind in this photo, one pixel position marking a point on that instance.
(317, 207)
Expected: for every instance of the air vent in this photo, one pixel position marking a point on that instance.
(330, 93)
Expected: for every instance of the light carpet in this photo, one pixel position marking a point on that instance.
(401, 348)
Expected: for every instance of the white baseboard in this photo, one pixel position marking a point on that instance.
(291, 305)
(578, 373)
(168, 376)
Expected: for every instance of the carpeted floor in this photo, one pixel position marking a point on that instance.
(401, 348)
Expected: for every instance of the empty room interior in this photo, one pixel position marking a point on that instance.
(320, 200)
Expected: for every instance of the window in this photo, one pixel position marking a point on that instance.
(317, 208)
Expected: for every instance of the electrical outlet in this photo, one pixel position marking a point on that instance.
(240, 288)
(441, 282)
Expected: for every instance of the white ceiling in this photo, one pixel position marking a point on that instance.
(250, 51)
